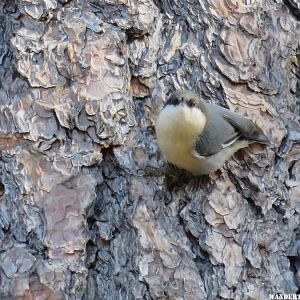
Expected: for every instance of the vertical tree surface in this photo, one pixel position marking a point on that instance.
(81, 83)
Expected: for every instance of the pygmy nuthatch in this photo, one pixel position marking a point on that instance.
(199, 137)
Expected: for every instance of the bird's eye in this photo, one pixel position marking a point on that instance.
(191, 103)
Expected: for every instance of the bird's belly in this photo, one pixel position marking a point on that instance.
(212, 163)
(180, 154)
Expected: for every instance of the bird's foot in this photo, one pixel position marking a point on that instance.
(200, 182)
(177, 178)
(155, 172)
(174, 177)
(167, 170)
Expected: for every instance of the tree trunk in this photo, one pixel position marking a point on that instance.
(81, 85)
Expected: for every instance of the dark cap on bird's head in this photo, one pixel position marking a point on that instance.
(189, 98)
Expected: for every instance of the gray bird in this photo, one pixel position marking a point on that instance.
(199, 137)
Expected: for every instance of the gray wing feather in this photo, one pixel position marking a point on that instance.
(243, 125)
(222, 129)
(247, 128)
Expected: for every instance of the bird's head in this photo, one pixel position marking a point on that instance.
(184, 114)
(186, 99)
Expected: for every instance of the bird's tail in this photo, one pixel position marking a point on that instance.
(260, 137)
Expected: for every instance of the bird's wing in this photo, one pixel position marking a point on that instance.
(223, 128)
(232, 140)
(217, 134)
(246, 127)
(243, 125)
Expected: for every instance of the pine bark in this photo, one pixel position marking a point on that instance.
(81, 83)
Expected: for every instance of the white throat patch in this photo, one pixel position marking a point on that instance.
(177, 128)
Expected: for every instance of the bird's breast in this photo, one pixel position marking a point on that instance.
(177, 128)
